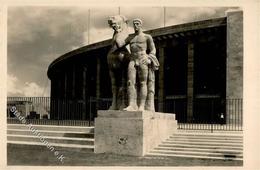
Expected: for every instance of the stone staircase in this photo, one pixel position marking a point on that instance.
(61, 137)
(184, 143)
(199, 144)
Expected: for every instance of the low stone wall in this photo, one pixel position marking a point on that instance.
(132, 133)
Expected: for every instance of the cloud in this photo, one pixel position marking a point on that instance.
(98, 35)
(33, 89)
(152, 16)
(38, 35)
(12, 86)
(16, 87)
(25, 23)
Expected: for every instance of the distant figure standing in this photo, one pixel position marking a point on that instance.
(222, 120)
(141, 66)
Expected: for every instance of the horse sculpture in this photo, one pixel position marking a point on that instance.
(118, 58)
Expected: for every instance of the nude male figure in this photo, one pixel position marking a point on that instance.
(140, 65)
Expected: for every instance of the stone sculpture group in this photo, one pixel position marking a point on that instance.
(131, 71)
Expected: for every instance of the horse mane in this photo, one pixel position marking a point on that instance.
(122, 20)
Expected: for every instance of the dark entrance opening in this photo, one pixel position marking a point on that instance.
(175, 83)
(210, 77)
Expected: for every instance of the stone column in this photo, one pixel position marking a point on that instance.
(98, 83)
(190, 80)
(54, 96)
(234, 79)
(73, 81)
(53, 88)
(65, 84)
(84, 92)
(161, 80)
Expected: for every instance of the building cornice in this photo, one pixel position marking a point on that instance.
(155, 33)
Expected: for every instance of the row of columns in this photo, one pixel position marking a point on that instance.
(190, 79)
(72, 80)
(84, 84)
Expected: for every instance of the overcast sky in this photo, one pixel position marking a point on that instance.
(38, 35)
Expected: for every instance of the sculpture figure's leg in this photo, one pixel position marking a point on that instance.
(131, 90)
(122, 91)
(114, 91)
(143, 74)
(150, 88)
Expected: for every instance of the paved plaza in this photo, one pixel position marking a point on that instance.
(41, 156)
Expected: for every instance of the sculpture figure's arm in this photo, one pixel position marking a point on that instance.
(150, 45)
(123, 41)
(152, 53)
(117, 43)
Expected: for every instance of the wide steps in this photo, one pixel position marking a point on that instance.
(52, 128)
(58, 146)
(215, 137)
(62, 137)
(217, 150)
(201, 145)
(52, 133)
(193, 156)
(205, 143)
(51, 139)
(198, 152)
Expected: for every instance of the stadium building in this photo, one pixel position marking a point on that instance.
(200, 77)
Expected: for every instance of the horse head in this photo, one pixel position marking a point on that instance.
(118, 23)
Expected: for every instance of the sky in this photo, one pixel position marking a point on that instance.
(37, 35)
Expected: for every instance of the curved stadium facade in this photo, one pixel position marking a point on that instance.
(200, 75)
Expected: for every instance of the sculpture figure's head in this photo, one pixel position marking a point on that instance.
(117, 22)
(137, 23)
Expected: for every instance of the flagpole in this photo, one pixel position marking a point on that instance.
(164, 17)
(88, 26)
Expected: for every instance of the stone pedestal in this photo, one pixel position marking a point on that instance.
(131, 132)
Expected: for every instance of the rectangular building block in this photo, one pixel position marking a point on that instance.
(131, 133)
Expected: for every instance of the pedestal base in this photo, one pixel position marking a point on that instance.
(131, 132)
